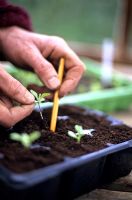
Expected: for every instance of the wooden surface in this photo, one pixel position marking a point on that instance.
(121, 189)
(107, 195)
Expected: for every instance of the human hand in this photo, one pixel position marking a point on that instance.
(42, 53)
(11, 89)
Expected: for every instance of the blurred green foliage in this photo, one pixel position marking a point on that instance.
(78, 20)
(25, 77)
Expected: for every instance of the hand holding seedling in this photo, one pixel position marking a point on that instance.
(25, 139)
(10, 90)
(80, 132)
(41, 53)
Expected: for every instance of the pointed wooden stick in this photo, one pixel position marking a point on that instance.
(56, 97)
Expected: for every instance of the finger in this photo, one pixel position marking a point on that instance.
(6, 101)
(11, 116)
(14, 89)
(44, 69)
(73, 65)
(75, 69)
(71, 80)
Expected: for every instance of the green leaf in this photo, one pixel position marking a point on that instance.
(39, 96)
(72, 134)
(25, 140)
(79, 129)
(41, 99)
(80, 133)
(34, 136)
(34, 94)
(45, 95)
(15, 136)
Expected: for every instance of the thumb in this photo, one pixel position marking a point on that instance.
(14, 89)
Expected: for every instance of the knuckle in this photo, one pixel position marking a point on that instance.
(16, 88)
(27, 49)
(13, 29)
(58, 40)
(61, 40)
(82, 68)
(43, 69)
(40, 69)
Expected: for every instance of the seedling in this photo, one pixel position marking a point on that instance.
(25, 139)
(80, 132)
(39, 98)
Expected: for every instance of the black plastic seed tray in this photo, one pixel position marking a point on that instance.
(70, 178)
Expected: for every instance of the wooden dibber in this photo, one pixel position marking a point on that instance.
(56, 97)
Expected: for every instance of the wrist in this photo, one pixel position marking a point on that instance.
(4, 33)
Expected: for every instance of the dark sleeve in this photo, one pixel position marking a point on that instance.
(11, 15)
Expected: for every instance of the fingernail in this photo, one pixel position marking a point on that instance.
(29, 97)
(53, 83)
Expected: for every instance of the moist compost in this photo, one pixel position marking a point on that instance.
(51, 147)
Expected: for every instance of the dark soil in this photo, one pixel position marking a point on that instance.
(55, 147)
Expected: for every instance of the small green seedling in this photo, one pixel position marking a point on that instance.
(25, 139)
(39, 98)
(80, 132)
